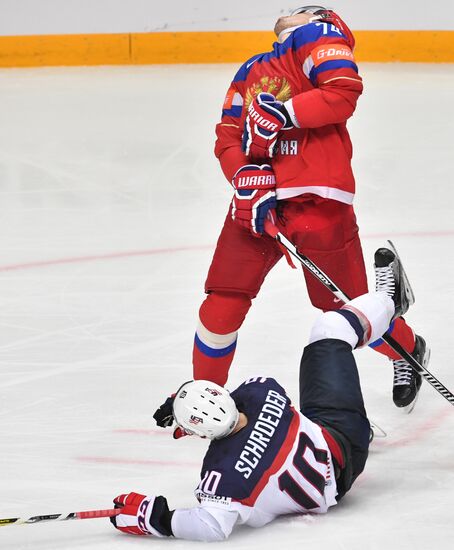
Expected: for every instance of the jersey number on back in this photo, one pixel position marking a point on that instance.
(290, 486)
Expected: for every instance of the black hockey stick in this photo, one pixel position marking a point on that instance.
(272, 230)
(61, 517)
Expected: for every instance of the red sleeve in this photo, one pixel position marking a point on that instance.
(331, 68)
(229, 133)
(330, 103)
(228, 149)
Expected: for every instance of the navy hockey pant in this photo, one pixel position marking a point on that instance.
(330, 395)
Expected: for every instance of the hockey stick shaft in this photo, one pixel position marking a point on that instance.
(272, 230)
(91, 514)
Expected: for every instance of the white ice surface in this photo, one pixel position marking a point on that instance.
(110, 205)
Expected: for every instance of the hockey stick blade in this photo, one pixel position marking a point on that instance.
(271, 230)
(91, 514)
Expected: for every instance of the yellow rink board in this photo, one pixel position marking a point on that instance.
(206, 47)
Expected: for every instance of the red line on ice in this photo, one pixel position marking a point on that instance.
(156, 251)
(140, 431)
(111, 256)
(418, 432)
(136, 461)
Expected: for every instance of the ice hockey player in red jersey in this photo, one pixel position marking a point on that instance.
(266, 458)
(283, 145)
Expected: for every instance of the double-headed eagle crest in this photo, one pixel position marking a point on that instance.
(276, 85)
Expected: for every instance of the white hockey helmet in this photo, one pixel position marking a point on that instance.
(205, 409)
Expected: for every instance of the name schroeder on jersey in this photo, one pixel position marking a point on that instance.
(235, 466)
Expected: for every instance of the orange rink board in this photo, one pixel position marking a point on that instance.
(206, 47)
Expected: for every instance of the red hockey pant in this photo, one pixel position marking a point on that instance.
(324, 230)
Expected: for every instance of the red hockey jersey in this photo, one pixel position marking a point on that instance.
(314, 73)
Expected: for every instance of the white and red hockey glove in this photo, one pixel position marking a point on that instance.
(255, 196)
(266, 117)
(142, 515)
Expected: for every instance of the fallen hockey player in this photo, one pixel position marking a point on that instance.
(266, 458)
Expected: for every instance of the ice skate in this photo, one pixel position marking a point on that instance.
(407, 381)
(390, 277)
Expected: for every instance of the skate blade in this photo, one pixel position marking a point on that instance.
(376, 431)
(408, 409)
(424, 362)
(407, 287)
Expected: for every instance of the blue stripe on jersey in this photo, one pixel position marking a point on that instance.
(278, 51)
(234, 111)
(212, 352)
(379, 342)
(331, 65)
(353, 321)
(243, 71)
(300, 37)
(312, 32)
(313, 76)
(307, 34)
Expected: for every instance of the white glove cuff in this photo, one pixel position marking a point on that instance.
(291, 111)
(144, 514)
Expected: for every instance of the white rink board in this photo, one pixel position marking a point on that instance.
(22, 17)
(110, 205)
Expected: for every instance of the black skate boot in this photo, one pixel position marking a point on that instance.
(391, 278)
(407, 381)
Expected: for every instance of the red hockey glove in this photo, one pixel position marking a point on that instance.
(141, 515)
(255, 196)
(266, 117)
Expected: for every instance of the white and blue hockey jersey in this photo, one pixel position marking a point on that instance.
(278, 464)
